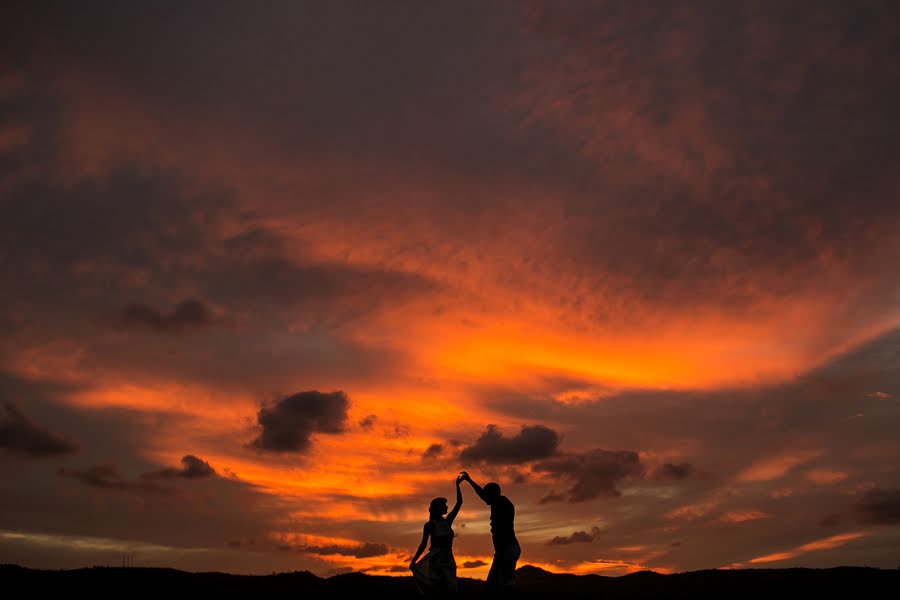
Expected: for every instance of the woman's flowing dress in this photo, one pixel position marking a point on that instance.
(436, 571)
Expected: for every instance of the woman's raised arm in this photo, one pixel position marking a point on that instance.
(455, 511)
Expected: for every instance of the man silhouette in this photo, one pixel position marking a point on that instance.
(502, 576)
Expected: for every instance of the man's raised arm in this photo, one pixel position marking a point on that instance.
(475, 486)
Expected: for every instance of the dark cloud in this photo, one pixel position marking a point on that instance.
(471, 564)
(187, 314)
(397, 569)
(433, 451)
(533, 442)
(366, 550)
(593, 473)
(578, 537)
(552, 496)
(880, 506)
(288, 424)
(675, 471)
(192, 468)
(397, 431)
(368, 422)
(107, 476)
(21, 436)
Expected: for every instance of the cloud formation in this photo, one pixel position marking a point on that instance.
(433, 451)
(107, 476)
(472, 564)
(288, 425)
(533, 442)
(675, 471)
(22, 437)
(187, 314)
(593, 474)
(552, 496)
(366, 550)
(578, 537)
(191, 468)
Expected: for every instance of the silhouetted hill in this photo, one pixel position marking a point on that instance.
(168, 584)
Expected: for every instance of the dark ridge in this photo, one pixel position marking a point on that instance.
(533, 582)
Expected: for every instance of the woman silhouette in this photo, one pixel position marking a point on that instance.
(435, 574)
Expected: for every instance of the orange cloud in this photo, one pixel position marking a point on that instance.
(739, 516)
(825, 476)
(776, 467)
(700, 509)
(828, 543)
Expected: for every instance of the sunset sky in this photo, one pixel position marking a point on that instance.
(272, 274)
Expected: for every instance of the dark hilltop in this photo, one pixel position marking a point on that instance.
(108, 582)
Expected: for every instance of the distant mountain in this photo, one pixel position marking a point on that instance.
(170, 584)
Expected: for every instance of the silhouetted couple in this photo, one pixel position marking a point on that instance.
(435, 574)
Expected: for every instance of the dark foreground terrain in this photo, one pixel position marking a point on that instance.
(165, 584)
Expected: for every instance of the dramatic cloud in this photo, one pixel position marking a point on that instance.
(658, 226)
(288, 424)
(578, 537)
(593, 473)
(192, 468)
(741, 515)
(366, 550)
(472, 564)
(107, 476)
(433, 451)
(368, 422)
(675, 471)
(397, 569)
(552, 497)
(22, 437)
(533, 442)
(880, 506)
(187, 314)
